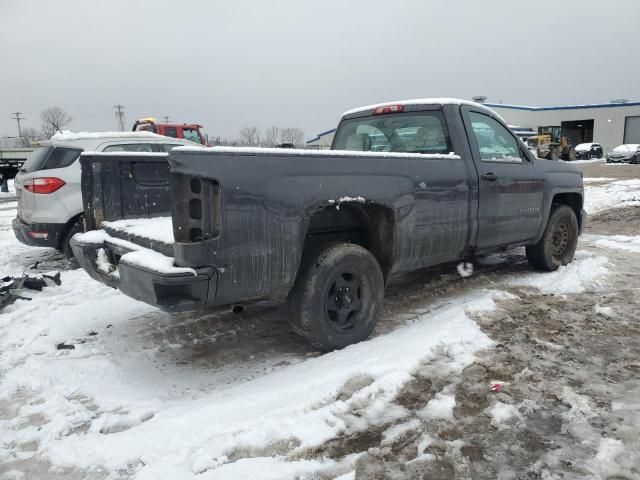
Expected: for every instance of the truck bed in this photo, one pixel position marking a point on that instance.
(127, 195)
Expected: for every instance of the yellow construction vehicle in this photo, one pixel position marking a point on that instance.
(545, 147)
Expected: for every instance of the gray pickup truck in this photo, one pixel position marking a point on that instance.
(406, 185)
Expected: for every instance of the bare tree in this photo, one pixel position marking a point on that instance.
(54, 120)
(271, 136)
(30, 136)
(293, 136)
(250, 136)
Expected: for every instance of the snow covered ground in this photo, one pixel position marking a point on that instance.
(96, 385)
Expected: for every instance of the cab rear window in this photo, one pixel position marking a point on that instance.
(46, 158)
(419, 132)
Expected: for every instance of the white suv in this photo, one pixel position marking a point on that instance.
(48, 185)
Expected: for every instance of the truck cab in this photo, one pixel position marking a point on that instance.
(187, 131)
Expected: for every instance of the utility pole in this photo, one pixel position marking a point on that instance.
(120, 116)
(166, 119)
(18, 119)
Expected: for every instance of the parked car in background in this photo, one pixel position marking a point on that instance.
(585, 151)
(48, 184)
(627, 153)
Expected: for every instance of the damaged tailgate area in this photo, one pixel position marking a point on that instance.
(129, 239)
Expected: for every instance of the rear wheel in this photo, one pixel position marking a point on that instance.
(558, 243)
(337, 297)
(65, 244)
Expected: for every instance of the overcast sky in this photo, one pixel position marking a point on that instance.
(229, 64)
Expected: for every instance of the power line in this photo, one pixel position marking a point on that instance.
(120, 116)
(18, 119)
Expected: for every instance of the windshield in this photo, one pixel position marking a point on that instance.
(419, 132)
(191, 134)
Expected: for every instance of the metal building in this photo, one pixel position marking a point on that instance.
(610, 124)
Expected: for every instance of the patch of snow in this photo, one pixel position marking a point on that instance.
(103, 263)
(298, 401)
(465, 269)
(311, 153)
(158, 228)
(440, 407)
(607, 462)
(585, 271)
(616, 194)
(99, 237)
(604, 311)
(584, 147)
(598, 179)
(138, 256)
(155, 261)
(126, 154)
(11, 188)
(591, 160)
(626, 148)
(619, 242)
(501, 413)
(69, 135)
(394, 432)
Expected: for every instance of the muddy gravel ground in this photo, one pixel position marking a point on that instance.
(571, 393)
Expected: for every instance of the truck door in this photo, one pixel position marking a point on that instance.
(510, 187)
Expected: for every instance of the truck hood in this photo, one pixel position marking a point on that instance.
(561, 173)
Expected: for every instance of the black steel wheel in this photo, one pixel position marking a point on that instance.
(343, 301)
(337, 296)
(559, 240)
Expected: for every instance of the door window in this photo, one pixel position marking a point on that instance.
(171, 132)
(495, 142)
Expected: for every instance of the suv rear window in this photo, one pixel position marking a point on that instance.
(419, 132)
(46, 158)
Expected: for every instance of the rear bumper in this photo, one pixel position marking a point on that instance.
(172, 292)
(38, 234)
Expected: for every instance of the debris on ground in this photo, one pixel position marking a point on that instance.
(13, 288)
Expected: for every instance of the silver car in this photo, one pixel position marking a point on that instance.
(48, 185)
(627, 153)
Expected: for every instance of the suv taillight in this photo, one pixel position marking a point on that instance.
(43, 185)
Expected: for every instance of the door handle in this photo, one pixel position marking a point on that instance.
(491, 177)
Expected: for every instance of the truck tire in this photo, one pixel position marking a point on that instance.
(337, 296)
(558, 243)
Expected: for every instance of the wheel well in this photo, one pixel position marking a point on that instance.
(573, 200)
(370, 226)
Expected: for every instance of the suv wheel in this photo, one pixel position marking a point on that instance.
(65, 245)
(558, 243)
(337, 296)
